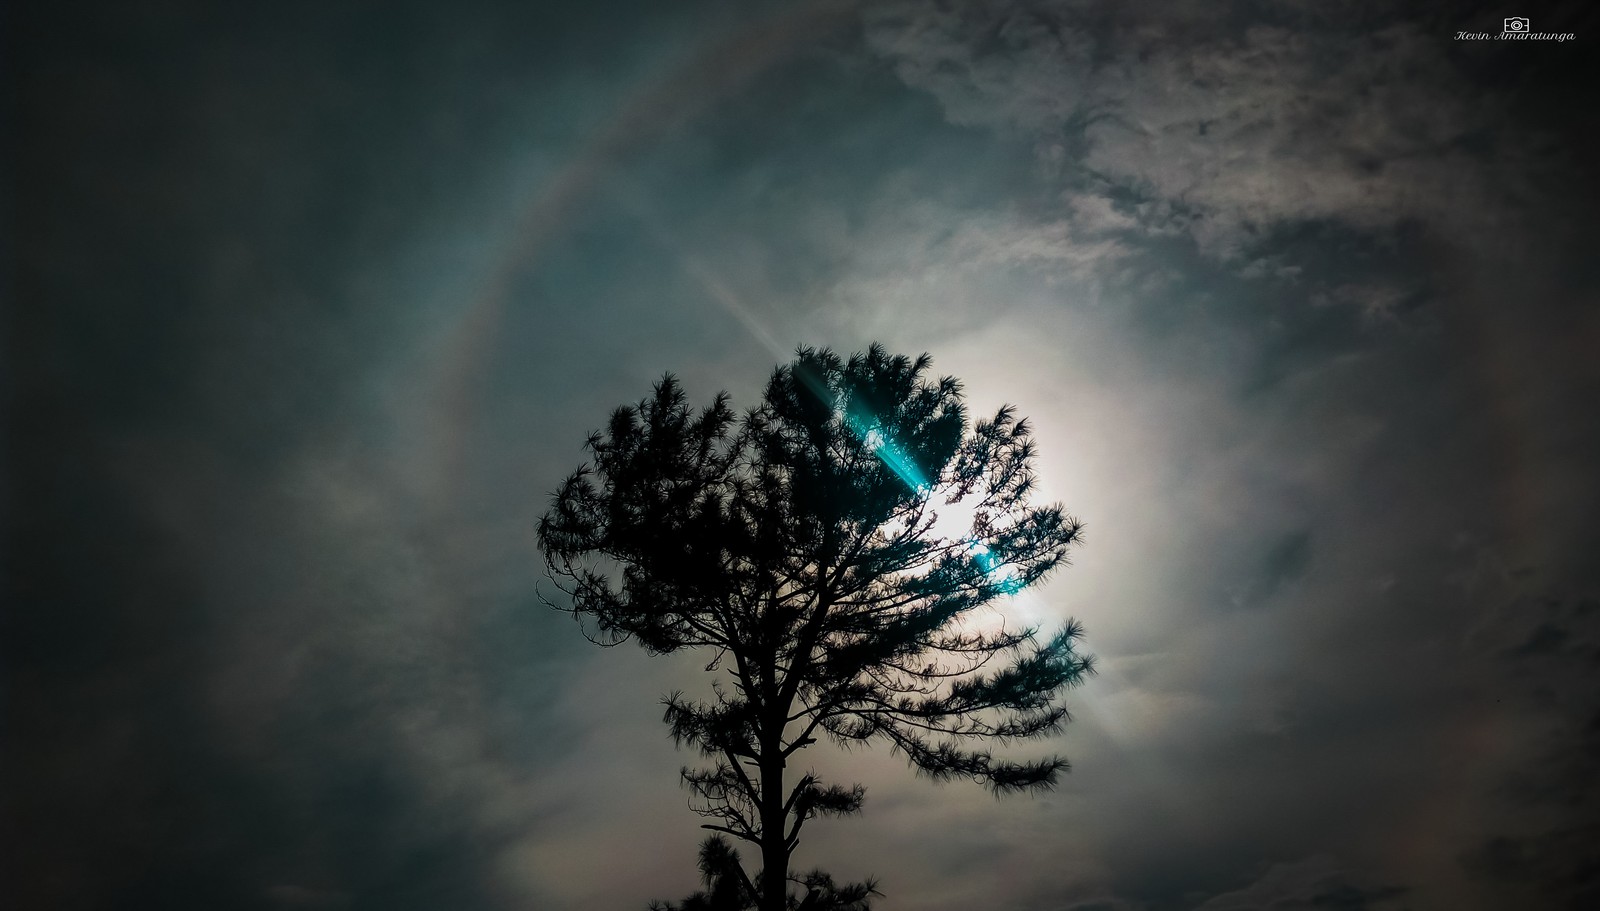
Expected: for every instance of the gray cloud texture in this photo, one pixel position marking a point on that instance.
(1299, 301)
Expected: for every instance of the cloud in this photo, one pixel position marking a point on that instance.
(1313, 884)
(1542, 650)
(1193, 119)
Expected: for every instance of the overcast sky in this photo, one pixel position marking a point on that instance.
(309, 307)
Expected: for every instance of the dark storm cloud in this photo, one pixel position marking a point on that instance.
(1222, 122)
(244, 666)
(1299, 300)
(1543, 837)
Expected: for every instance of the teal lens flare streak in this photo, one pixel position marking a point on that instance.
(895, 459)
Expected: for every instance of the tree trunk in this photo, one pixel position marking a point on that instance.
(774, 851)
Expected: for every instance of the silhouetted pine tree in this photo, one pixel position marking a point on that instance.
(798, 545)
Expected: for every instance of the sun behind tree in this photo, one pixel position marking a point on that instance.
(802, 546)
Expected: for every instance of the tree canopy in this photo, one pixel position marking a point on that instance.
(808, 546)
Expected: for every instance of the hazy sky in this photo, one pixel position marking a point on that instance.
(310, 306)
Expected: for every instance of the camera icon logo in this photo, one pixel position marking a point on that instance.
(1517, 24)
